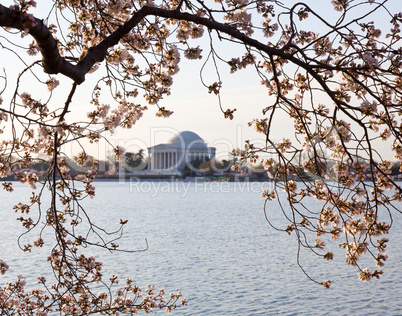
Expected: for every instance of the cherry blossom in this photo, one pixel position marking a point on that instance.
(338, 83)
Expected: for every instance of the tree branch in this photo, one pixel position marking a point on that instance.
(54, 63)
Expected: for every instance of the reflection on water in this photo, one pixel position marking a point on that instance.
(212, 242)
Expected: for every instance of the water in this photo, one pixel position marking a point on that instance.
(212, 242)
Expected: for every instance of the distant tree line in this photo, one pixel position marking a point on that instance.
(137, 162)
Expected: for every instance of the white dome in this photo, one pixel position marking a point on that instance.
(187, 139)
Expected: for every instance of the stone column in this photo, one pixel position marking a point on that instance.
(160, 160)
(156, 160)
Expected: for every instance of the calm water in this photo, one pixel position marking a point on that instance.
(212, 242)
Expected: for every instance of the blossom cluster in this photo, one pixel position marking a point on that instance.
(21, 9)
(77, 300)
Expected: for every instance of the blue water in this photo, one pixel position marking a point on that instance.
(212, 242)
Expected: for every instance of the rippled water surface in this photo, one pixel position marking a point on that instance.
(212, 242)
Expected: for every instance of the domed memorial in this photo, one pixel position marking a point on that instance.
(179, 151)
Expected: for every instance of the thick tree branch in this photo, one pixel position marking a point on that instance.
(53, 63)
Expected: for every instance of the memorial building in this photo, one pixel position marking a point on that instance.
(179, 151)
